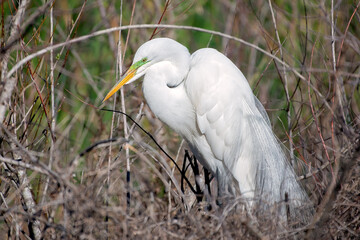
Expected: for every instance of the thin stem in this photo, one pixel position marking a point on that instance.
(120, 58)
(145, 26)
(53, 122)
(313, 111)
(338, 80)
(285, 85)
(333, 36)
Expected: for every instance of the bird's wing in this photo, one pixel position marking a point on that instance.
(220, 95)
(237, 128)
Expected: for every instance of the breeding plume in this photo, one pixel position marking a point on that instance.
(207, 100)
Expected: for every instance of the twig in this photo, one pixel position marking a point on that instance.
(346, 31)
(339, 83)
(53, 117)
(161, 18)
(137, 118)
(29, 202)
(8, 83)
(121, 58)
(333, 36)
(288, 113)
(20, 163)
(313, 111)
(103, 143)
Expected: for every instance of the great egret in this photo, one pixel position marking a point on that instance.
(207, 100)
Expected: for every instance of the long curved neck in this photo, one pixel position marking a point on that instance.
(175, 68)
(165, 94)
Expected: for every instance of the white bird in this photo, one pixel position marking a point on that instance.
(206, 99)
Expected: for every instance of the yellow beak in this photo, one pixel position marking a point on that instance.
(128, 75)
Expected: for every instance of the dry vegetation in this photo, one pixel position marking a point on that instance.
(63, 161)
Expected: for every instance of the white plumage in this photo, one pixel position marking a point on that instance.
(208, 101)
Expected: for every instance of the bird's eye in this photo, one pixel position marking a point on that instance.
(144, 60)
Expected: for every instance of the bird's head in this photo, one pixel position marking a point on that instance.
(150, 53)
